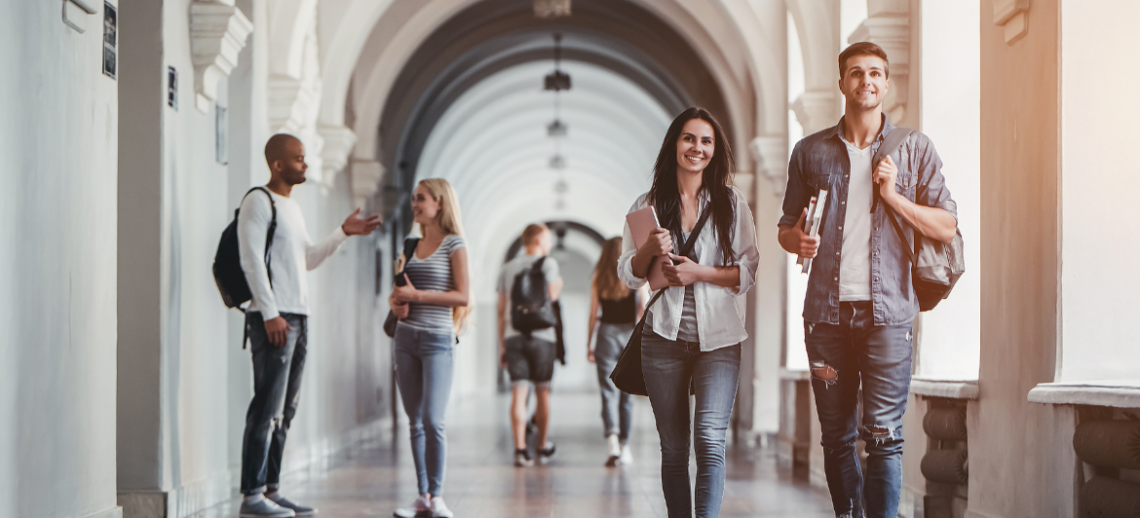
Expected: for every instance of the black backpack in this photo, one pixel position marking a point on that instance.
(531, 307)
(228, 274)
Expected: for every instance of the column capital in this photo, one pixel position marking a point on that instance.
(771, 155)
(365, 180)
(816, 110)
(338, 141)
(218, 32)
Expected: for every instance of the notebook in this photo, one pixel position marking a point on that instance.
(641, 224)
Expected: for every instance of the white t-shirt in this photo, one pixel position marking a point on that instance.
(291, 254)
(855, 261)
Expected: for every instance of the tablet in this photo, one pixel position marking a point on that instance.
(641, 224)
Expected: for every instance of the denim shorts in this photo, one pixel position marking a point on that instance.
(529, 359)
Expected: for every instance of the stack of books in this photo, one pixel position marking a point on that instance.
(814, 219)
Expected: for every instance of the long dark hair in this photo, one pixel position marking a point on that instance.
(666, 198)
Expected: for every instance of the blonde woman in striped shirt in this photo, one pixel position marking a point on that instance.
(432, 308)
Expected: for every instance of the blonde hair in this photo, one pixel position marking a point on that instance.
(606, 281)
(451, 222)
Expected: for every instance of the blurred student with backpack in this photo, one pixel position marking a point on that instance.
(614, 309)
(528, 286)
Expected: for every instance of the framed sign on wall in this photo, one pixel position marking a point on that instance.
(172, 87)
(110, 40)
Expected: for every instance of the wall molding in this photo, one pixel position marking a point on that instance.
(950, 389)
(186, 500)
(218, 32)
(1012, 16)
(221, 488)
(318, 456)
(1118, 394)
(970, 513)
(114, 512)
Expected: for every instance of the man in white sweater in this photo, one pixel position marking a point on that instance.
(276, 319)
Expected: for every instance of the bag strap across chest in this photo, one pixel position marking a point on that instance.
(891, 143)
(686, 248)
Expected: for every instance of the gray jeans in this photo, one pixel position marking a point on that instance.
(617, 406)
(276, 392)
(423, 373)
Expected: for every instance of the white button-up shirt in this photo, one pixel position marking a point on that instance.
(720, 310)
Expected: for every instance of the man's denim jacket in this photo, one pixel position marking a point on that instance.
(820, 161)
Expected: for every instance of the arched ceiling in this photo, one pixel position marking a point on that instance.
(492, 145)
(401, 73)
(495, 35)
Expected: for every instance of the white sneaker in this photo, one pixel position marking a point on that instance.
(522, 459)
(614, 451)
(439, 509)
(421, 508)
(626, 457)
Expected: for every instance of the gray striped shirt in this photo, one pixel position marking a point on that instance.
(433, 273)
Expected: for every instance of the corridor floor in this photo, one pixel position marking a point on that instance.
(483, 483)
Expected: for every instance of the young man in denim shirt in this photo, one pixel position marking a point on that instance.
(860, 301)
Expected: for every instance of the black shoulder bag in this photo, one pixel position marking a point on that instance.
(627, 375)
(400, 280)
(935, 266)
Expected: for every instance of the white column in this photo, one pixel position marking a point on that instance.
(950, 336)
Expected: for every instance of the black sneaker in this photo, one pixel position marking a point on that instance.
(522, 458)
(545, 454)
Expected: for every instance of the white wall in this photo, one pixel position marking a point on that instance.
(58, 136)
(1099, 225)
(950, 104)
(193, 364)
(795, 354)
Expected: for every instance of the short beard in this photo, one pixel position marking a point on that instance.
(292, 180)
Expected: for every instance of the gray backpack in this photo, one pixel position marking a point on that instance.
(935, 266)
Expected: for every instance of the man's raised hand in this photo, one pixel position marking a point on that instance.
(354, 226)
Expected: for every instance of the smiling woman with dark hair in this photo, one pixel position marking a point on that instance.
(692, 336)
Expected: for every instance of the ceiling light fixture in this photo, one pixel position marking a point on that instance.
(551, 8)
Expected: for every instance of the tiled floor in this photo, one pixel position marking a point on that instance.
(483, 483)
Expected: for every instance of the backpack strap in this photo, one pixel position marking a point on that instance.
(410, 244)
(268, 243)
(270, 231)
(891, 143)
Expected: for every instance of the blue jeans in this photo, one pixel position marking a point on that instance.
(276, 392)
(670, 368)
(842, 357)
(423, 374)
(617, 406)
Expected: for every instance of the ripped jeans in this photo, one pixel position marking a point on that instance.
(841, 357)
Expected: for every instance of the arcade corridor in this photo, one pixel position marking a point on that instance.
(131, 129)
